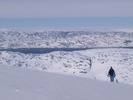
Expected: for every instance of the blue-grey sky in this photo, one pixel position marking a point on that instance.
(65, 8)
(20, 13)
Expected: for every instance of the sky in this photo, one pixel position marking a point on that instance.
(64, 13)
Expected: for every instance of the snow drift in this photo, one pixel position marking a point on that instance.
(23, 84)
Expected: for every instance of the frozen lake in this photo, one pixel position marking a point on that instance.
(48, 50)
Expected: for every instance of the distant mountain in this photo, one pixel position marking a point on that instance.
(64, 39)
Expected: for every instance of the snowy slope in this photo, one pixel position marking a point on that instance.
(23, 84)
(91, 63)
(61, 39)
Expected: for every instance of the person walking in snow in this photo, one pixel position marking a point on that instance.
(111, 74)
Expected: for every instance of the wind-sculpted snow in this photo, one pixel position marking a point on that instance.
(91, 63)
(61, 39)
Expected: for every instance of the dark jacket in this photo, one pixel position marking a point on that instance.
(111, 72)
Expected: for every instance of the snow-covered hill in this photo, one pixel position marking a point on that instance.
(91, 63)
(61, 39)
(23, 84)
(17, 82)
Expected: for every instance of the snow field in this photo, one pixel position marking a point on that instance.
(77, 63)
(26, 84)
